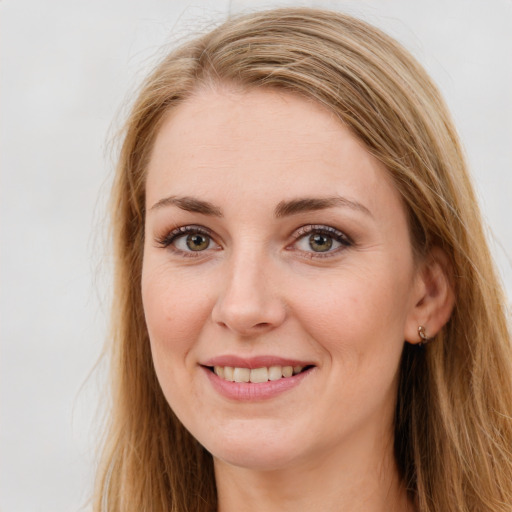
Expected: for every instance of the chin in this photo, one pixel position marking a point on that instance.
(256, 449)
(255, 458)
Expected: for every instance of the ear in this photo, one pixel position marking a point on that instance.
(433, 296)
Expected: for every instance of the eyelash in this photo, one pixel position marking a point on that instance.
(328, 231)
(169, 239)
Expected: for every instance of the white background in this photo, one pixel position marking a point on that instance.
(67, 68)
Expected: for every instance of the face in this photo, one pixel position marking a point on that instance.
(277, 252)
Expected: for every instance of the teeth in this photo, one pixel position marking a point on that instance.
(259, 375)
(228, 373)
(241, 374)
(256, 375)
(275, 373)
(287, 371)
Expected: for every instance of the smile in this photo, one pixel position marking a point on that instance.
(255, 379)
(256, 375)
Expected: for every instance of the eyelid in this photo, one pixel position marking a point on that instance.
(307, 229)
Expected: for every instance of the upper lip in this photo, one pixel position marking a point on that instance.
(254, 362)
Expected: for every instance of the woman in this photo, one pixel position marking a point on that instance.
(306, 311)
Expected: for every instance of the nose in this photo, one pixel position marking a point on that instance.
(249, 302)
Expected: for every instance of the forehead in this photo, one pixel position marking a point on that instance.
(266, 143)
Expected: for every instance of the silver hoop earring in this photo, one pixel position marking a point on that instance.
(422, 333)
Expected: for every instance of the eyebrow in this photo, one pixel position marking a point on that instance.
(308, 204)
(283, 209)
(189, 204)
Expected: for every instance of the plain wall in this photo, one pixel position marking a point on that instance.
(67, 67)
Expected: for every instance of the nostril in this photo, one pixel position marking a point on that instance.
(262, 325)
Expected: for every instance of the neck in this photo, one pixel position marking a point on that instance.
(368, 483)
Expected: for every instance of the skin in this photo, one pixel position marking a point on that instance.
(260, 288)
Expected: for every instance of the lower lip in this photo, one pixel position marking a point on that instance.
(249, 391)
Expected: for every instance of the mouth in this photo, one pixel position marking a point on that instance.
(257, 375)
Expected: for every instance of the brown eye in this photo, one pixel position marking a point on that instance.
(197, 242)
(320, 242)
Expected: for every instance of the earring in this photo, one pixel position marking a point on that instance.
(422, 333)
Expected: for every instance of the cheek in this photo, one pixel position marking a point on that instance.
(357, 315)
(175, 315)
(357, 298)
(175, 312)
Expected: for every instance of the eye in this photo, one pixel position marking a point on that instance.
(320, 240)
(193, 242)
(187, 239)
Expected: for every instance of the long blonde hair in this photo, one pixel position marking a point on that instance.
(453, 426)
